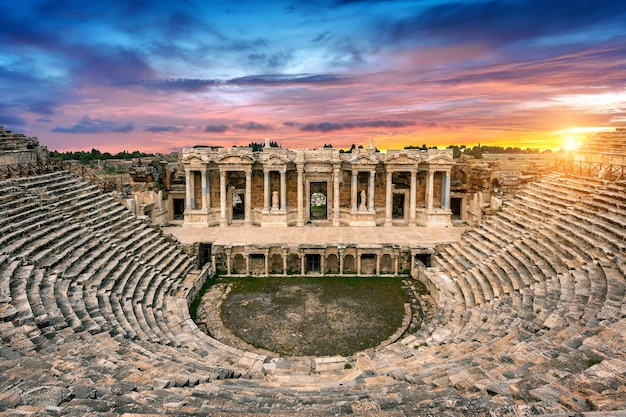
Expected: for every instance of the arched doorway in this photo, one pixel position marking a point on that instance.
(318, 201)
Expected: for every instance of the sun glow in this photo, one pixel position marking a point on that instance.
(571, 143)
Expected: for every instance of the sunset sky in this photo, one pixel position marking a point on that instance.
(160, 75)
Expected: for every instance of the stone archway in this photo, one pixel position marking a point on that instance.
(349, 265)
(293, 264)
(332, 264)
(239, 264)
(318, 201)
(276, 264)
(386, 264)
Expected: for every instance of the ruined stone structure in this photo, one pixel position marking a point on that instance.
(281, 187)
(530, 314)
(16, 148)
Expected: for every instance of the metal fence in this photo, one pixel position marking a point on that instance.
(591, 169)
(38, 168)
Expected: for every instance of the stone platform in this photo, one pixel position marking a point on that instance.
(313, 235)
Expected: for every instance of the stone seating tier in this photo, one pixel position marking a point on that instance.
(523, 301)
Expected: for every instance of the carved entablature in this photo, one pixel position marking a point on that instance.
(442, 158)
(233, 157)
(321, 155)
(363, 161)
(197, 156)
(275, 158)
(403, 158)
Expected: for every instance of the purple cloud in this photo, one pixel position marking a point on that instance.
(89, 125)
(253, 126)
(331, 126)
(216, 128)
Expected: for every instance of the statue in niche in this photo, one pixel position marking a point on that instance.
(363, 200)
(274, 200)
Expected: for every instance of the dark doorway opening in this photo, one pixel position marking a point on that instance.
(238, 206)
(179, 208)
(455, 207)
(318, 201)
(398, 206)
(313, 263)
(204, 254)
(423, 258)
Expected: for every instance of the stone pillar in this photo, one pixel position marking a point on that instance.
(341, 255)
(389, 200)
(413, 198)
(248, 197)
(205, 189)
(266, 190)
(336, 173)
(430, 190)
(323, 263)
(302, 263)
(353, 190)
(370, 197)
(300, 219)
(228, 267)
(247, 257)
(395, 264)
(267, 263)
(358, 263)
(285, 261)
(223, 220)
(378, 264)
(445, 190)
(188, 190)
(283, 190)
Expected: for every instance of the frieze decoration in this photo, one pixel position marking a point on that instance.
(403, 157)
(364, 159)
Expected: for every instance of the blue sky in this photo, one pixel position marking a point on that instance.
(157, 76)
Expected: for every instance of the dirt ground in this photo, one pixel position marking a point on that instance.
(304, 317)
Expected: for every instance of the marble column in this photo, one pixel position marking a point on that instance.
(267, 263)
(430, 190)
(188, 194)
(322, 263)
(228, 267)
(302, 263)
(358, 263)
(413, 198)
(395, 264)
(248, 197)
(370, 197)
(205, 189)
(336, 173)
(247, 264)
(389, 200)
(353, 191)
(341, 256)
(284, 261)
(223, 220)
(378, 264)
(445, 190)
(266, 190)
(300, 219)
(283, 190)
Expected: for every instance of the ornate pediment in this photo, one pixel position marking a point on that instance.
(364, 159)
(274, 160)
(402, 157)
(440, 159)
(235, 159)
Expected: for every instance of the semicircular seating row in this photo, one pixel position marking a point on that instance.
(523, 301)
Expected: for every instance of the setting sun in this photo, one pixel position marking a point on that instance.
(570, 143)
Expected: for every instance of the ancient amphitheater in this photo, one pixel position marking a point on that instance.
(530, 317)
